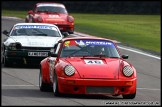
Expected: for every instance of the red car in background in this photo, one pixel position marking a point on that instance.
(53, 13)
(88, 65)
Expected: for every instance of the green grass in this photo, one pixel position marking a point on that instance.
(141, 31)
(20, 14)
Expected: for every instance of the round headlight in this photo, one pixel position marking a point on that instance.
(12, 46)
(127, 71)
(70, 19)
(18, 46)
(69, 70)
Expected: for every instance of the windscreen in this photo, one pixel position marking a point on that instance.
(92, 48)
(51, 9)
(35, 30)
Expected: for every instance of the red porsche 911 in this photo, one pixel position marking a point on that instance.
(88, 65)
(53, 13)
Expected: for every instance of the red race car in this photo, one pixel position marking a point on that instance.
(88, 65)
(53, 13)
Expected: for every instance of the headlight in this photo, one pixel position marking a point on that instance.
(127, 71)
(14, 46)
(70, 19)
(69, 70)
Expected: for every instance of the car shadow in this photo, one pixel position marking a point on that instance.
(36, 93)
(26, 93)
(82, 96)
(36, 66)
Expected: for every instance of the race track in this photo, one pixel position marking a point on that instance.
(20, 84)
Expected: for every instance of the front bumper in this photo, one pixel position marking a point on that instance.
(25, 56)
(65, 28)
(97, 86)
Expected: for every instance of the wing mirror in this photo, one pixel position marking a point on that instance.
(5, 32)
(52, 54)
(30, 12)
(125, 56)
(65, 34)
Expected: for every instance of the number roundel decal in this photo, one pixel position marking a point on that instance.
(93, 61)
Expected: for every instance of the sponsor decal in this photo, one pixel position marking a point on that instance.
(70, 43)
(34, 26)
(88, 43)
(93, 61)
(93, 42)
(36, 43)
(67, 43)
(51, 67)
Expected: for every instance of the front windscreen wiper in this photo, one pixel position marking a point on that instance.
(100, 56)
(41, 34)
(105, 56)
(44, 11)
(113, 57)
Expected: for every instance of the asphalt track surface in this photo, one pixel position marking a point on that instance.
(19, 85)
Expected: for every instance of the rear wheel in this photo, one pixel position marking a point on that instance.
(129, 96)
(55, 85)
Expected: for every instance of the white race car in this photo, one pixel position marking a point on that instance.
(29, 43)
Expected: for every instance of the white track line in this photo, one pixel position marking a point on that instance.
(15, 18)
(132, 50)
(139, 52)
(19, 85)
(149, 89)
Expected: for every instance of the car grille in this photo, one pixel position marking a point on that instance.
(99, 90)
(37, 48)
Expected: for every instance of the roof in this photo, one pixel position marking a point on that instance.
(50, 4)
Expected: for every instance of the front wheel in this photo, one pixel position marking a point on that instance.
(129, 96)
(71, 32)
(6, 62)
(26, 20)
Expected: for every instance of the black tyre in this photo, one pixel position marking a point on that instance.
(129, 96)
(43, 86)
(55, 85)
(6, 62)
(26, 21)
(71, 32)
